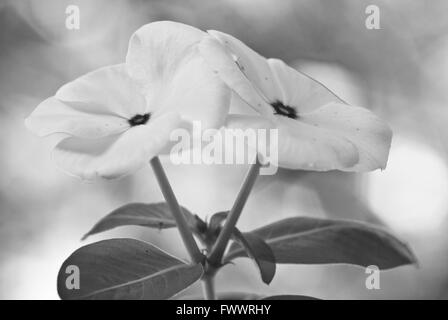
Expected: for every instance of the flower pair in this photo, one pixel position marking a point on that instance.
(111, 121)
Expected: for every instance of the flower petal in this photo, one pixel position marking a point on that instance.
(53, 116)
(371, 136)
(299, 90)
(108, 90)
(198, 95)
(333, 137)
(164, 59)
(254, 66)
(115, 156)
(156, 50)
(95, 105)
(303, 146)
(242, 69)
(260, 81)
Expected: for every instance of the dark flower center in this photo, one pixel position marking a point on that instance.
(139, 119)
(281, 109)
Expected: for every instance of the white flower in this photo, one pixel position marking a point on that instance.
(316, 129)
(117, 118)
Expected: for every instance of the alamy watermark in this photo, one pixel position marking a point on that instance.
(373, 278)
(373, 17)
(73, 17)
(225, 146)
(72, 282)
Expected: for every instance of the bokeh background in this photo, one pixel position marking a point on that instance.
(400, 72)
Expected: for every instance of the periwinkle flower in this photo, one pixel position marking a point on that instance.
(316, 129)
(115, 119)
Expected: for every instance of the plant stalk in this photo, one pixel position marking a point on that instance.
(208, 286)
(220, 245)
(185, 231)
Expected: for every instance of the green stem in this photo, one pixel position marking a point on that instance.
(185, 231)
(220, 245)
(208, 287)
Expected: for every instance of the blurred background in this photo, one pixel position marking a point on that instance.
(399, 71)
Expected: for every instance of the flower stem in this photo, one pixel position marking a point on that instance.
(208, 287)
(220, 245)
(185, 231)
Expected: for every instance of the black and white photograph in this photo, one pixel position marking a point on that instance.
(235, 150)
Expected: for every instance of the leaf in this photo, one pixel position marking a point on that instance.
(237, 296)
(259, 251)
(305, 240)
(225, 296)
(154, 215)
(254, 246)
(289, 297)
(217, 219)
(125, 269)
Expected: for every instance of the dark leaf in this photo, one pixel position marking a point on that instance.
(217, 219)
(305, 240)
(289, 297)
(124, 269)
(154, 215)
(259, 251)
(214, 226)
